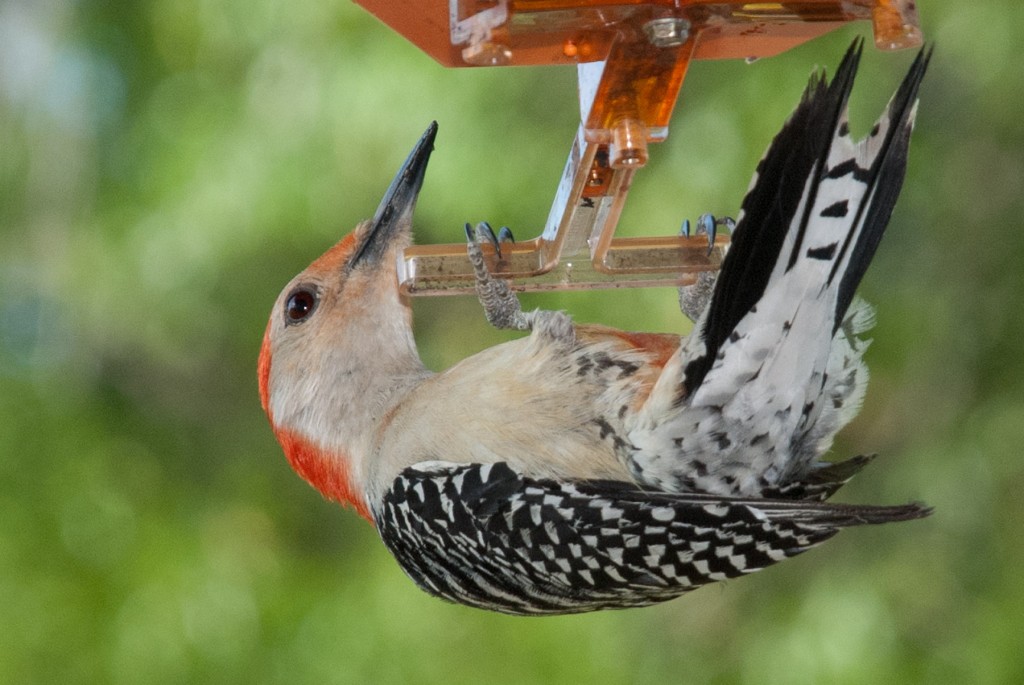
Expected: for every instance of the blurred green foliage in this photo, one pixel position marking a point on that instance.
(167, 165)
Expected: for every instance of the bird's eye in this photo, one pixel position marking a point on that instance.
(301, 303)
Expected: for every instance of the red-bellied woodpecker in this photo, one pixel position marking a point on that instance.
(583, 467)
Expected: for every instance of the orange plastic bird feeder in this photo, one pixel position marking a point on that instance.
(631, 57)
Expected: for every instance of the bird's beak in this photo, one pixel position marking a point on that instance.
(393, 217)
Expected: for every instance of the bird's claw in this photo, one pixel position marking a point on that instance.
(708, 225)
(504, 236)
(484, 232)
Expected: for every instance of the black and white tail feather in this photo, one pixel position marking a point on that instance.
(773, 369)
(727, 467)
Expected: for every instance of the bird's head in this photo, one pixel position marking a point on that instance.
(340, 339)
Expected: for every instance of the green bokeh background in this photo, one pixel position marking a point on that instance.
(167, 165)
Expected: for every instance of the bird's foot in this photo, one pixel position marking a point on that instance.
(499, 302)
(694, 299)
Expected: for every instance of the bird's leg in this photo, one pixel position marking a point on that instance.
(500, 304)
(694, 299)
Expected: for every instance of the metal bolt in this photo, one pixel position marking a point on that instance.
(667, 32)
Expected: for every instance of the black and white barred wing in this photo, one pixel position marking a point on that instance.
(487, 536)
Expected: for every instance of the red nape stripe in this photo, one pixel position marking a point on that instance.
(327, 473)
(263, 371)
